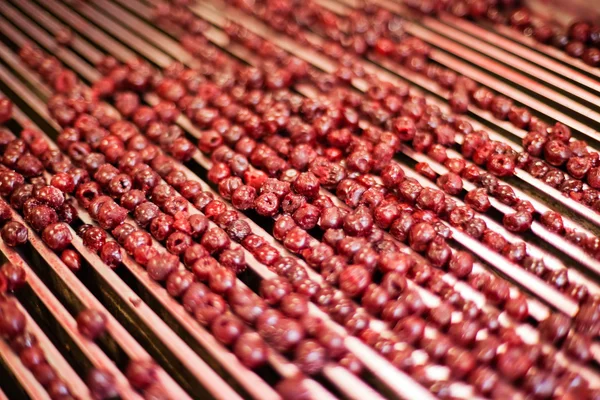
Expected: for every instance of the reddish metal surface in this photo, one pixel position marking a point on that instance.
(24, 377)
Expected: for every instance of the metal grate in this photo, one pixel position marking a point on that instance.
(145, 323)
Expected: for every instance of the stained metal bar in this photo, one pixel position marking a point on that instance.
(25, 378)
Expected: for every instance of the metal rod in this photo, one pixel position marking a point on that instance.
(545, 49)
(521, 51)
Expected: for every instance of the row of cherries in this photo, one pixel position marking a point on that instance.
(547, 139)
(13, 329)
(42, 200)
(501, 160)
(477, 199)
(111, 216)
(42, 212)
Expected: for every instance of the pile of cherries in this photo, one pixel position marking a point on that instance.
(497, 155)
(494, 152)
(179, 226)
(380, 245)
(547, 217)
(42, 206)
(549, 151)
(581, 39)
(196, 46)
